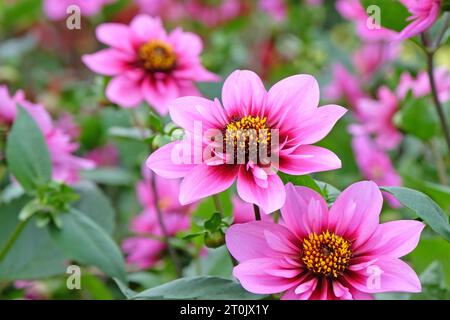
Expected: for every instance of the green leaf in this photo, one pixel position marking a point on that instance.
(329, 192)
(195, 288)
(417, 118)
(135, 134)
(217, 262)
(438, 192)
(110, 176)
(392, 13)
(95, 205)
(305, 181)
(33, 255)
(27, 153)
(428, 251)
(127, 292)
(214, 223)
(424, 207)
(81, 239)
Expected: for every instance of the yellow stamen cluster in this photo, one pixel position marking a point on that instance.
(326, 254)
(248, 131)
(157, 56)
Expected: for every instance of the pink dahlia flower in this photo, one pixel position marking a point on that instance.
(423, 15)
(146, 248)
(57, 9)
(377, 118)
(227, 141)
(420, 86)
(148, 64)
(326, 254)
(214, 12)
(375, 165)
(65, 165)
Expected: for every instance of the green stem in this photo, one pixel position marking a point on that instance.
(218, 204)
(437, 102)
(9, 244)
(257, 212)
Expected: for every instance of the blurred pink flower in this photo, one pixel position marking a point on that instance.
(420, 86)
(276, 8)
(375, 164)
(67, 124)
(57, 9)
(148, 64)
(167, 9)
(377, 116)
(146, 248)
(65, 165)
(354, 11)
(423, 15)
(326, 254)
(344, 85)
(104, 156)
(288, 111)
(33, 290)
(373, 57)
(214, 12)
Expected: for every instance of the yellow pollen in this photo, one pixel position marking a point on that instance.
(326, 254)
(248, 131)
(157, 56)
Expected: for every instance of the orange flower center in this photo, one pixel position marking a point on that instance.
(157, 56)
(247, 137)
(326, 254)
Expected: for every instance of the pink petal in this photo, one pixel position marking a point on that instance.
(300, 93)
(243, 93)
(253, 235)
(186, 43)
(304, 212)
(187, 111)
(394, 275)
(253, 277)
(204, 181)
(395, 238)
(159, 93)
(307, 159)
(355, 213)
(168, 161)
(108, 62)
(124, 91)
(268, 199)
(318, 124)
(146, 28)
(116, 35)
(341, 291)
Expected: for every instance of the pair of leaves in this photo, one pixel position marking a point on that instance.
(193, 288)
(80, 238)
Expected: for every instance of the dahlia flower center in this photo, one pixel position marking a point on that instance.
(157, 56)
(246, 137)
(326, 254)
